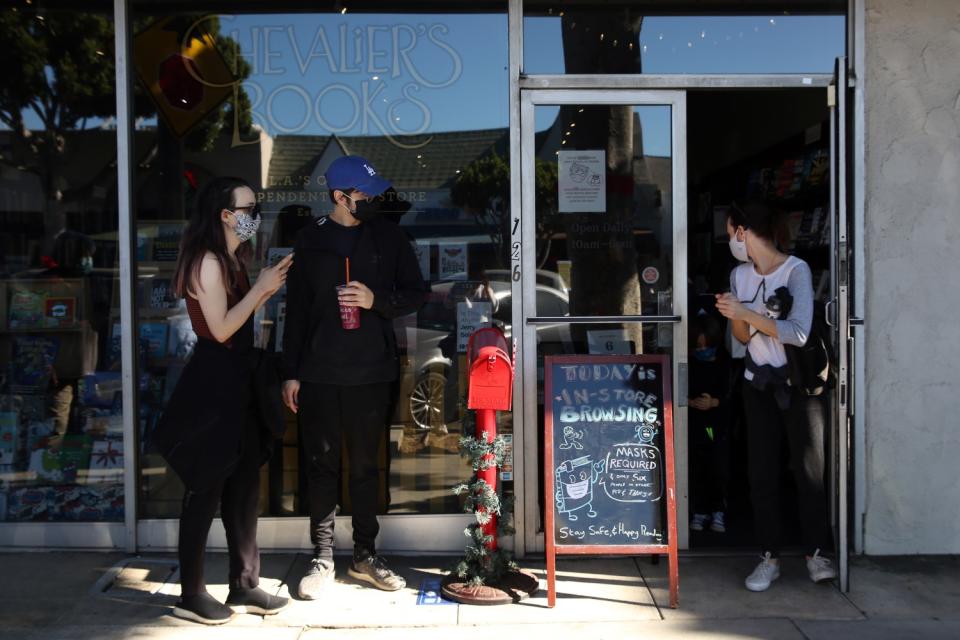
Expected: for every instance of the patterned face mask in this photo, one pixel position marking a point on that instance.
(247, 224)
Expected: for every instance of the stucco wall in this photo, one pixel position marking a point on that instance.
(912, 221)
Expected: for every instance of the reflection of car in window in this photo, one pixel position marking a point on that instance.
(433, 401)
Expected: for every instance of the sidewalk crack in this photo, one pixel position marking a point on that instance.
(799, 630)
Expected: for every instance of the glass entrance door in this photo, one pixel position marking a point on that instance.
(603, 266)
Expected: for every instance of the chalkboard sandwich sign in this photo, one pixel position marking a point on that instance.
(609, 465)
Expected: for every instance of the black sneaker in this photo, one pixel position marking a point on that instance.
(315, 580)
(203, 608)
(256, 601)
(373, 570)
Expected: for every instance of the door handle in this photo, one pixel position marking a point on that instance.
(826, 312)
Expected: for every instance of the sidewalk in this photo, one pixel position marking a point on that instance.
(70, 595)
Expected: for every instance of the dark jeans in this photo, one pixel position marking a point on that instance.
(710, 460)
(803, 426)
(238, 496)
(328, 415)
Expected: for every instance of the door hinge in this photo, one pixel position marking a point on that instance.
(832, 95)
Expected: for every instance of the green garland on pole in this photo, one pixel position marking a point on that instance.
(480, 565)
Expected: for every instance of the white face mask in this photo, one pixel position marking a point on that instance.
(739, 249)
(247, 225)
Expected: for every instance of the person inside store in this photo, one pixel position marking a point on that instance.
(215, 432)
(709, 424)
(770, 305)
(356, 271)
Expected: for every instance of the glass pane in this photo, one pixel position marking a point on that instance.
(423, 97)
(61, 411)
(604, 211)
(581, 37)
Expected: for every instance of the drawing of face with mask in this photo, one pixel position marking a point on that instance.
(578, 172)
(574, 491)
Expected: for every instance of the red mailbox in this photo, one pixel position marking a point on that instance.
(491, 371)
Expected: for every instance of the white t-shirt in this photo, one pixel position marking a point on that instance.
(753, 290)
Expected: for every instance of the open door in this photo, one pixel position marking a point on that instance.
(838, 317)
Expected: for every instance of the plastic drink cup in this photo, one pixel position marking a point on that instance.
(349, 316)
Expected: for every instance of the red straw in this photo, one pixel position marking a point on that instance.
(348, 269)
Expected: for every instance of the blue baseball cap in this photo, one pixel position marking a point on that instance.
(354, 172)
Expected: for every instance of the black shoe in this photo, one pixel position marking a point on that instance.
(256, 601)
(203, 608)
(373, 570)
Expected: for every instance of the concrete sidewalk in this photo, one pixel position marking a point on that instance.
(68, 595)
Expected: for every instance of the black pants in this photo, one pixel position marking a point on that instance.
(710, 460)
(803, 426)
(238, 496)
(330, 414)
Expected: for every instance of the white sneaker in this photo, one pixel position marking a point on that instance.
(819, 568)
(766, 572)
(698, 521)
(716, 523)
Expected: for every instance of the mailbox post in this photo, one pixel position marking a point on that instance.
(490, 389)
(487, 574)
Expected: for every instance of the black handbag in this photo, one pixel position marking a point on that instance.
(810, 367)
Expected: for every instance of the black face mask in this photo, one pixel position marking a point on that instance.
(365, 209)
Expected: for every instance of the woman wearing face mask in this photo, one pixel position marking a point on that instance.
(770, 304)
(212, 429)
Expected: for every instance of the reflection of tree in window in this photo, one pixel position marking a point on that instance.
(605, 279)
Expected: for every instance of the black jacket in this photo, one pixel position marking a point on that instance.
(316, 348)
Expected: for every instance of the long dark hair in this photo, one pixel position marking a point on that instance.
(763, 220)
(204, 233)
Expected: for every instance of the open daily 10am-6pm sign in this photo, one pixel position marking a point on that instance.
(609, 466)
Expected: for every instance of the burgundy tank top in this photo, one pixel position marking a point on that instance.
(199, 323)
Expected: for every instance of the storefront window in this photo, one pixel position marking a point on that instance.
(589, 38)
(425, 99)
(61, 433)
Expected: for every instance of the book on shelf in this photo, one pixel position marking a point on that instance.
(32, 363)
(10, 444)
(166, 246)
(59, 312)
(161, 294)
(153, 339)
(106, 453)
(26, 310)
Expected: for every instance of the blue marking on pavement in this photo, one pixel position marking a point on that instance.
(430, 593)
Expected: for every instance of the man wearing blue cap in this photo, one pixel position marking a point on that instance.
(339, 376)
